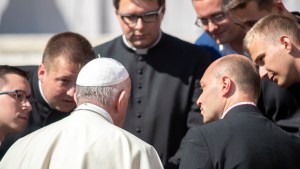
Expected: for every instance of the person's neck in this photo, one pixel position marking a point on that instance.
(237, 43)
(241, 98)
(236, 46)
(2, 136)
(142, 51)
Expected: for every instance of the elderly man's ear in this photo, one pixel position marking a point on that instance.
(122, 101)
(74, 97)
(121, 108)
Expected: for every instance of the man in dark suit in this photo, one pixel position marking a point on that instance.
(236, 134)
(164, 73)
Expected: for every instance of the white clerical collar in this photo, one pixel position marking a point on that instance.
(41, 91)
(95, 109)
(237, 104)
(143, 51)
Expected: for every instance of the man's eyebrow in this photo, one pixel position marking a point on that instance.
(212, 14)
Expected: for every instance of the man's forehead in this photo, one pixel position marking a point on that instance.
(256, 48)
(208, 72)
(60, 64)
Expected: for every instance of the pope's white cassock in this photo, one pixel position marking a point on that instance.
(86, 139)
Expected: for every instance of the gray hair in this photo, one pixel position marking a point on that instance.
(104, 95)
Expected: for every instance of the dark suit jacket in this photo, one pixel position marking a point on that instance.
(165, 87)
(40, 115)
(244, 139)
(281, 105)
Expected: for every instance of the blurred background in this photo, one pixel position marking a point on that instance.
(26, 25)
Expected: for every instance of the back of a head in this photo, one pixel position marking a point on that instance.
(231, 5)
(100, 80)
(275, 23)
(73, 47)
(242, 71)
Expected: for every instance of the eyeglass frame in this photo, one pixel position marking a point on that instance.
(18, 95)
(156, 13)
(212, 18)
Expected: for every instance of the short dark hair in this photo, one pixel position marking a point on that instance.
(72, 46)
(117, 3)
(6, 69)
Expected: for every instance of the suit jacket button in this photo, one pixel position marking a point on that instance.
(138, 130)
(138, 115)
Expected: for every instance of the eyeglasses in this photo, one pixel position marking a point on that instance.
(148, 17)
(215, 18)
(19, 94)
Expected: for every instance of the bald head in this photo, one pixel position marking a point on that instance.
(227, 81)
(241, 70)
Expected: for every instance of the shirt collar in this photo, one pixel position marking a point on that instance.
(237, 104)
(96, 109)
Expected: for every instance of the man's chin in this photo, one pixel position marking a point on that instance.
(220, 41)
(284, 85)
(19, 128)
(65, 109)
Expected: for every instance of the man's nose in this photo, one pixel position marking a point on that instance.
(71, 91)
(211, 26)
(198, 102)
(139, 23)
(28, 106)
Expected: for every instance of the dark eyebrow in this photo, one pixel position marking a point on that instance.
(142, 14)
